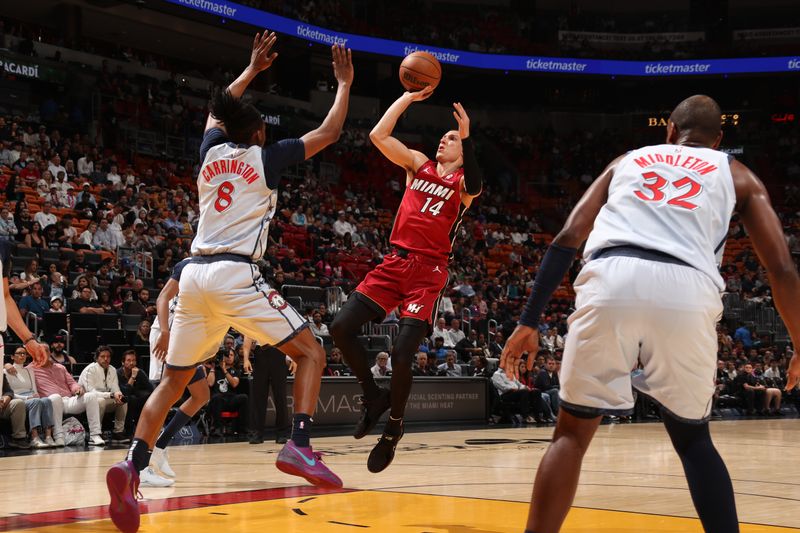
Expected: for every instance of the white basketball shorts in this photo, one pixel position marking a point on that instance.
(632, 312)
(218, 295)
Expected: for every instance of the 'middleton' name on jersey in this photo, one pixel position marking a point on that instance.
(230, 166)
(683, 161)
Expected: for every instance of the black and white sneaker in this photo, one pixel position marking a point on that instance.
(120, 438)
(371, 411)
(382, 454)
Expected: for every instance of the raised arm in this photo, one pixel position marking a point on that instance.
(331, 128)
(260, 60)
(381, 135)
(766, 234)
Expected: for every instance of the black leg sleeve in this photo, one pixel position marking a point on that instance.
(406, 344)
(709, 482)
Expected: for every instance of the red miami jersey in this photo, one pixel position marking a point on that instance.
(430, 213)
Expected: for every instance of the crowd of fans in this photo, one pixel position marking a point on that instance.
(97, 233)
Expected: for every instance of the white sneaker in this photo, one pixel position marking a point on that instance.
(96, 440)
(148, 478)
(50, 442)
(161, 461)
(59, 442)
(39, 444)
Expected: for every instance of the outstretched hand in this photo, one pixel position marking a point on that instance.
(342, 64)
(422, 94)
(524, 339)
(261, 58)
(38, 353)
(462, 118)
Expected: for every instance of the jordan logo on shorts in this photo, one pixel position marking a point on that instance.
(436, 269)
(414, 308)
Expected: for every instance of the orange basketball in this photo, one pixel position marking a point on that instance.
(418, 70)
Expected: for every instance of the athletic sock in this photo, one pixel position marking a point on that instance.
(394, 426)
(178, 421)
(139, 453)
(301, 430)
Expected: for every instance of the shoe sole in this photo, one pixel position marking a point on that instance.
(123, 509)
(317, 481)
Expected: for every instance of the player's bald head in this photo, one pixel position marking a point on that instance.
(698, 119)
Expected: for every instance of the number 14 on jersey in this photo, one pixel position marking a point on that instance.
(432, 209)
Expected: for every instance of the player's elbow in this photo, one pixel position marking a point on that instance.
(569, 237)
(376, 136)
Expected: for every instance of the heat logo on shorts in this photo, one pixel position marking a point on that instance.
(276, 300)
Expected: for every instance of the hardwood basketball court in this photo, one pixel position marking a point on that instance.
(475, 481)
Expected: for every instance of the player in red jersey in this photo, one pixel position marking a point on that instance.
(412, 277)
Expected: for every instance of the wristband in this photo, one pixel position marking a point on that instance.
(555, 264)
(26, 341)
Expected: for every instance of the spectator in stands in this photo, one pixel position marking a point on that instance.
(775, 373)
(14, 410)
(45, 217)
(496, 345)
(39, 410)
(135, 387)
(142, 306)
(548, 383)
(84, 304)
(86, 165)
(750, 389)
(224, 380)
(440, 330)
(450, 367)
(469, 346)
(53, 379)
(317, 327)
(60, 356)
(142, 336)
(100, 379)
(381, 369)
(552, 341)
(743, 334)
(342, 227)
(420, 367)
(34, 303)
(87, 238)
(8, 229)
(480, 366)
(55, 165)
(437, 351)
(513, 392)
(56, 304)
(454, 334)
(35, 238)
(105, 238)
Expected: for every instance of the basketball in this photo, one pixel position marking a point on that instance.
(418, 70)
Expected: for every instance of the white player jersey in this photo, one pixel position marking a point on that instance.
(236, 205)
(673, 199)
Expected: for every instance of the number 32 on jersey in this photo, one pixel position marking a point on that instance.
(655, 185)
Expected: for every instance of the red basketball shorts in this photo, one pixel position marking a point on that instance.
(415, 283)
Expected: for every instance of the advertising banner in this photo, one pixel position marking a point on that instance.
(558, 65)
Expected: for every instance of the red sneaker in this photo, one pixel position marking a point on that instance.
(122, 480)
